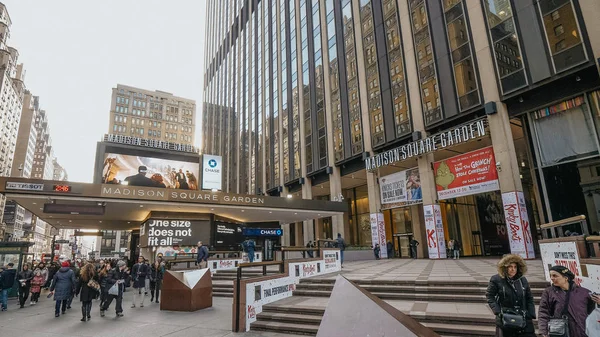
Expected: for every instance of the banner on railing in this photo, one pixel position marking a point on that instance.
(265, 292)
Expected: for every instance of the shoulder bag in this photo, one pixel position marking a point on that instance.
(559, 327)
(114, 290)
(93, 284)
(514, 318)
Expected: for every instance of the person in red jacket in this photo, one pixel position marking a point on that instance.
(36, 285)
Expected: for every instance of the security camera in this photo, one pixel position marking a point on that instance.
(498, 166)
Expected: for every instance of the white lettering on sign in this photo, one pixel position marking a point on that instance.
(24, 186)
(157, 144)
(168, 232)
(436, 142)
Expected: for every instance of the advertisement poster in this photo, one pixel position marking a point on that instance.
(378, 233)
(122, 169)
(493, 226)
(404, 186)
(434, 228)
(212, 175)
(562, 254)
(174, 233)
(517, 224)
(466, 174)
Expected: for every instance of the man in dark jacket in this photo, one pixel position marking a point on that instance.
(202, 259)
(413, 248)
(116, 276)
(390, 249)
(139, 273)
(140, 179)
(341, 244)
(8, 281)
(75, 270)
(24, 277)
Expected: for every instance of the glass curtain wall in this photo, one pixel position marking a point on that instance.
(465, 77)
(334, 80)
(372, 73)
(268, 72)
(430, 97)
(295, 91)
(306, 87)
(319, 87)
(284, 91)
(360, 220)
(505, 43)
(395, 58)
(275, 71)
(259, 189)
(352, 79)
(252, 107)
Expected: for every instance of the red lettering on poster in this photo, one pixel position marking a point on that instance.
(251, 312)
(309, 269)
(511, 218)
(225, 264)
(430, 239)
(526, 232)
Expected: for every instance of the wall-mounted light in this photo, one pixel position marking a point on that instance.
(289, 196)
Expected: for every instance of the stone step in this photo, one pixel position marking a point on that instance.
(533, 285)
(446, 297)
(287, 328)
(298, 309)
(222, 294)
(407, 288)
(290, 318)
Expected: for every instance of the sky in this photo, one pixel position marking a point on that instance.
(75, 51)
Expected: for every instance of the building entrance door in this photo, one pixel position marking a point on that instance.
(402, 245)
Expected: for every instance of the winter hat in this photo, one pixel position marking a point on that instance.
(121, 263)
(65, 264)
(564, 271)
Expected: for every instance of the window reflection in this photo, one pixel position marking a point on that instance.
(562, 33)
(505, 43)
(336, 110)
(432, 111)
(352, 79)
(461, 55)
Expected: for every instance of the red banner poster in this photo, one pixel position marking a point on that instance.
(467, 174)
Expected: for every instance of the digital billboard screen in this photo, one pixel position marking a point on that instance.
(123, 169)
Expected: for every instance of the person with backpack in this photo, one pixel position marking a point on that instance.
(249, 247)
(341, 244)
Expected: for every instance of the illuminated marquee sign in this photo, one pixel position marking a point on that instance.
(61, 188)
(157, 144)
(433, 143)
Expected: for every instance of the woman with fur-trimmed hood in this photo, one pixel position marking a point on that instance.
(509, 289)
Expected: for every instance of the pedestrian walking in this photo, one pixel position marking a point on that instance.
(87, 290)
(116, 276)
(102, 275)
(249, 247)
(54, 267)
(8, 277)
(341, 244)
(450, 248)
(157, 273)
(376, 251)
(456, 248)
(413, 247)
(310, 245)
(63, 287)
(565, 299)
(202, 256)
(147, 285)
(139, 273)
(390, 249)
(75, 270)
(508, 294)
(25, 276)
(36, 285)
(44, 270)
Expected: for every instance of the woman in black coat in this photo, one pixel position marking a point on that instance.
(509, 289)
(85, 292)
(156, 276)
(24, 277)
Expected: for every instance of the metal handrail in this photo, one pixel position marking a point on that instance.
(239, 278)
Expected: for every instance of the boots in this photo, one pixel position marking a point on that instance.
(83, 312)
(89, 310)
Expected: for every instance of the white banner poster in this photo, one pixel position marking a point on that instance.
(562, 254)
(402, 186)
(378, 233)
(212, 172)
(517, 224)
(436, 244)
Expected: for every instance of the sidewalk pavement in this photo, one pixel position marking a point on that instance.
(38, 320)
(464, 269)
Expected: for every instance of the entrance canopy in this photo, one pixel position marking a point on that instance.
(69, 205)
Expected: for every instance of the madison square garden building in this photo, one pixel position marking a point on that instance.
(473, 120)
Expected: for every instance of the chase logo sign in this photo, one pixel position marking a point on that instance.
(211, 172)
(262, 232)
(212, 163)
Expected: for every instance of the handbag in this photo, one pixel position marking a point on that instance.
(93, 284)
(114, 290)
(559, 327)
(514, 318)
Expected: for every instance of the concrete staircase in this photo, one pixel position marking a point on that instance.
(223, 280)
(302, 313)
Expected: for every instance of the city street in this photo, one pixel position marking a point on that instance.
(39, 321)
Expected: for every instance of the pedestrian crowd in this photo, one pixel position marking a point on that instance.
(102, 280)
